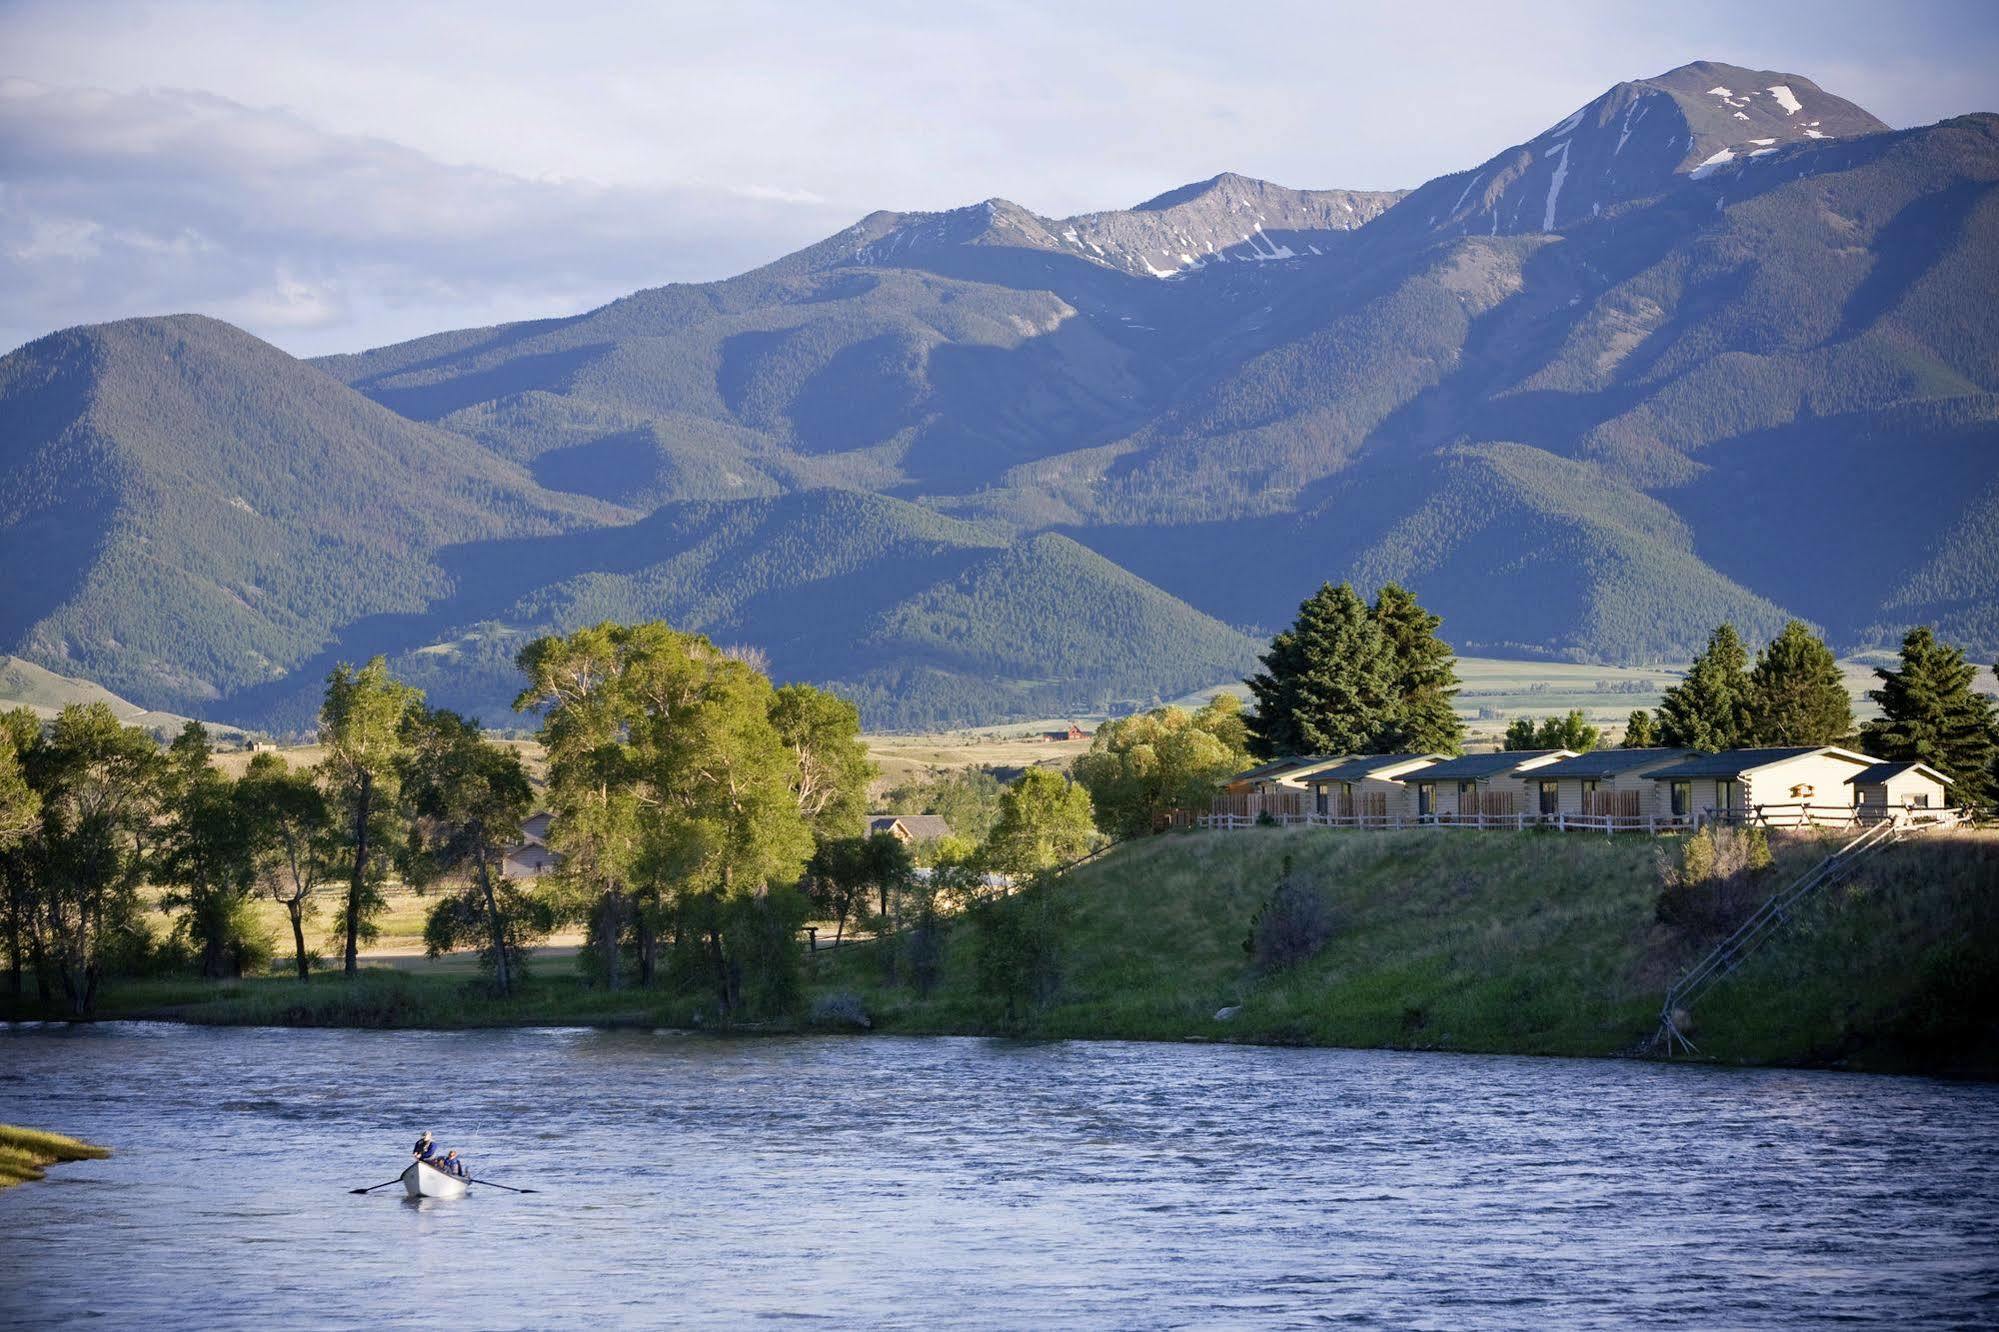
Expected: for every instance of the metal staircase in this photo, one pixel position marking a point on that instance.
(1767, 920)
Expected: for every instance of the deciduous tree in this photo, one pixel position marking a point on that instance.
(203, 853)
(1045, 820)
(294, 840)
(361, 726)
(1143, 766)
(467, 797)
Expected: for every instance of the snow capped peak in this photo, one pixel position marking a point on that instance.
(1635, 140)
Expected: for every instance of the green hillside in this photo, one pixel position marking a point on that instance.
(1525, 943)
(185, 511)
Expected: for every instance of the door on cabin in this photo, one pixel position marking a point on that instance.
(1426, 799)
(1683, 799)
(1551, 798)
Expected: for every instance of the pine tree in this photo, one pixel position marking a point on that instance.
(1930, 714)
(1639, 731)
(1426, 676)
(1705, 711)
(1796, 693)
(1328, 684)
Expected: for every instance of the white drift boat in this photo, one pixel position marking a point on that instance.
(424, 1180)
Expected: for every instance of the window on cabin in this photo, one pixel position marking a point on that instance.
(1683, 799)
(1724, 794)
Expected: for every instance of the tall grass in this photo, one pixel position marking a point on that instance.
(25, 1152)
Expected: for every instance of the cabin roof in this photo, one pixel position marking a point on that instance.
(1357, 769)
(1474, 766)
(1734, 762)
(920, 827)
(1882, 772)
(1278, 767)
(1610, 762)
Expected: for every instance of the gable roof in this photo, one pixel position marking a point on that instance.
(920, 827)
(1881, 772)
(1611, 762)
(1735, 762)
(535, 826)
(1295, 766)
(1358, 769)
(1475, 767)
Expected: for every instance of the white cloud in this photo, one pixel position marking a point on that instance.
(427, 166)
(149, 202)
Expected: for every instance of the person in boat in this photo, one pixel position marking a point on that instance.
(454, 1164)
(424, 1149)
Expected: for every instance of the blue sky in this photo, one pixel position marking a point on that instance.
(338, 176)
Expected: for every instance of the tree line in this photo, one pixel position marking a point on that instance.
(701, 813)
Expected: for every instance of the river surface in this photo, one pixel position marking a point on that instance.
(921, 1182)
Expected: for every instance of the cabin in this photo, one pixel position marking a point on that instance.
(1792, 786)
(530, 861)
(909, 828)
(1891, 786)
(534, 828)
(1371, 788)
(1607, 784)
(1073, 732)
(1486, 785)
(1291, 772)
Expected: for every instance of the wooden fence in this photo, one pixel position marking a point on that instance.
(1620, 813)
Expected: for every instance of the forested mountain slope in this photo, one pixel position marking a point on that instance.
(1717, 345)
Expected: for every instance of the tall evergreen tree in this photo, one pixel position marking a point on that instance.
(1796, 693)
(1329, 683)
(1639, 731)
(1426, 677)
(1707, 710)
(1931, 714)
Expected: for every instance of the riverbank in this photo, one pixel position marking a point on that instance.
(25, 1153)
(1515, 943)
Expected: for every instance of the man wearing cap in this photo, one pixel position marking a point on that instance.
(423, 1150)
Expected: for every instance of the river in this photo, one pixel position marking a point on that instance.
(919, 1182)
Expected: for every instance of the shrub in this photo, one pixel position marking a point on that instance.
(1717, 880)
(1293, 924)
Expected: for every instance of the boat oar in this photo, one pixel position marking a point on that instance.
(383, 1185)
(491, 1185)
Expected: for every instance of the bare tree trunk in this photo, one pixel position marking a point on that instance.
(613, 922)
(716, 960)
(502, 973)
(296, 909)
(648, 948)
(358, 882)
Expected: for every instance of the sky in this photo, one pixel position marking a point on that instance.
(333, 177)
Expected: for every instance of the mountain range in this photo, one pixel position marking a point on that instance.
(1719, 345)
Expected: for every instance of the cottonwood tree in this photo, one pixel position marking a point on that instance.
(1709, 709)
(1329, 683)
(1931, 714)
(294, 842)
(203, 854)
(1141, 767)
(99, 784)
(1424, 719)
(467, 797)
(361, 726)
(20, 811)
(1568, 732)
(1045, 820)
(577, 683)
(831, 767)
(1796, 695)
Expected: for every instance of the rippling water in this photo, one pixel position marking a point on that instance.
(914, 1182)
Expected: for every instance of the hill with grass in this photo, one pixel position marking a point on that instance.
(1506, 943)
(1720, 344)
